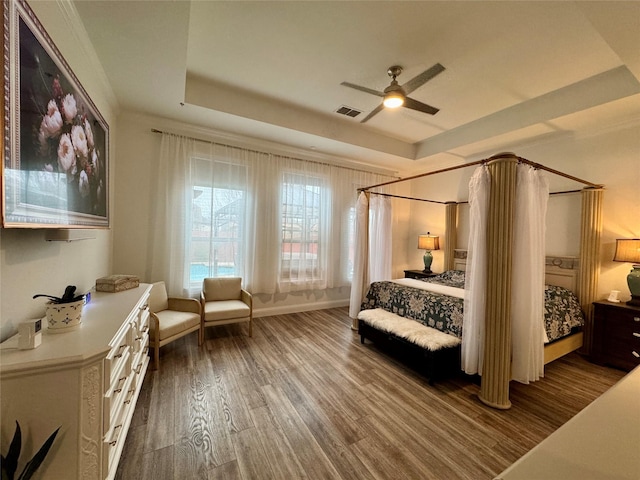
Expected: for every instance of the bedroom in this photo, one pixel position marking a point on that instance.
(599, 143)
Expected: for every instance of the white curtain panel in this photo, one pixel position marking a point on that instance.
(280, 223)
(380, 234)
(472, 348)
(171, 209)
(360, 270)
(527, 289)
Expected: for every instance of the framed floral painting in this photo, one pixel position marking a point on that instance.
(56, 142)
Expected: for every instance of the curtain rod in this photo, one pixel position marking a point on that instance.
(155, 130)
(495, 157)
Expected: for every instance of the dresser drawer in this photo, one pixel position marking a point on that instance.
(616, 332)
(118, 355)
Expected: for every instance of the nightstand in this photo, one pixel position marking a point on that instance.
(418, 274)
(616, 335)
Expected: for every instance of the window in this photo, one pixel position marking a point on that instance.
(301, 252)
(217, 224)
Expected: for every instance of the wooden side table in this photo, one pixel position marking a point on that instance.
(418, 274)
(616, 335)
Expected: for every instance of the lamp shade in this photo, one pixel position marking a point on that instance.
(428, 242)
(627, 250)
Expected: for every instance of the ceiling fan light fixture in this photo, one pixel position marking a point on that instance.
(393, 100)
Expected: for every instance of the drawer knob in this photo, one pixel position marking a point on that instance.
(636, 319)
(636, 354)
(636, 334)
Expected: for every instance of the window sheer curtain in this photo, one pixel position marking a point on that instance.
(283, 224)
(527, 290)
(171, 208)
(472, 348)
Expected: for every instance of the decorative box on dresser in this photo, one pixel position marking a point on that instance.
(85, 381)
(616, 335)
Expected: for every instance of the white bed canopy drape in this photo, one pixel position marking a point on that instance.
(361, 257)
(527, 285)
(380, 238)
(373, 234)
(472, 348)
(527, 288)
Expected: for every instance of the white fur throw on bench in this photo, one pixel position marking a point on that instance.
(411, 330)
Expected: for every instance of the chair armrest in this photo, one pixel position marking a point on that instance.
(184, 304)
(155, 324)
(246, 298)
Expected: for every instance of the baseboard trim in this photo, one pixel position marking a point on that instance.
(306, 307)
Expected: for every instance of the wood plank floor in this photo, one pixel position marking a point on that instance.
(304, 399)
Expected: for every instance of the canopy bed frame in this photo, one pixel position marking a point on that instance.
(494, 390)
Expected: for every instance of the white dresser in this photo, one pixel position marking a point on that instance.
(86, 380)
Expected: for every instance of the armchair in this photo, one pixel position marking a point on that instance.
(223, 301)
(171, 318)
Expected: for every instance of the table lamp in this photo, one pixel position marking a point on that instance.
(428, 243)
(628, 250)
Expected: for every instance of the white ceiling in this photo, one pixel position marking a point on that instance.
(515, 72)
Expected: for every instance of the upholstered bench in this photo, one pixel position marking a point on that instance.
(436, 353)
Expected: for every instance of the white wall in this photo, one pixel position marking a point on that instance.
(28, 264)
(610, 157)
(138, 149)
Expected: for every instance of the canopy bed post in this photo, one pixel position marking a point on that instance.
(450, 238)
(496, 371)
(591, 228)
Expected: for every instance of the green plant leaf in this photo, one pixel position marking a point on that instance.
(33, 464)
(10, 462)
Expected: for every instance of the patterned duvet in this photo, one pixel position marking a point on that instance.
(562, 313)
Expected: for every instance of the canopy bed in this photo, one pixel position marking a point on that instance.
(501, 273)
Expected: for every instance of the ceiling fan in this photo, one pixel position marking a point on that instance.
(396, 95)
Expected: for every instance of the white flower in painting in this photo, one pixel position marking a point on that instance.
(44, 144)
(66, 155)
(89, 133)
(95, 162)
(83, 185)
(69, 107)
(51, 122)
(79, 140)
(48, 167)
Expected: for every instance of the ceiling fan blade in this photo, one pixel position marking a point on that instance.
(419, 106)
(363, 89)
(423, 78)
(375, 111)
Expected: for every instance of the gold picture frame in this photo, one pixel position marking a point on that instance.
(56, 142)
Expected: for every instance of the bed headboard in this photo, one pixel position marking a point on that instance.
(559, 271)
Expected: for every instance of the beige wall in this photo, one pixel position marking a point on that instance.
(609, 156)
(29, 264)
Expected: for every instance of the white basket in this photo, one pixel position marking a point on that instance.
(64, 316)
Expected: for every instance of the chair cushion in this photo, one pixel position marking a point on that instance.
(225, 310)
(158, 299)
(215, 289)
(173, 322)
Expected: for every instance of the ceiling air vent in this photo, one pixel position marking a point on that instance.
(348, 111)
